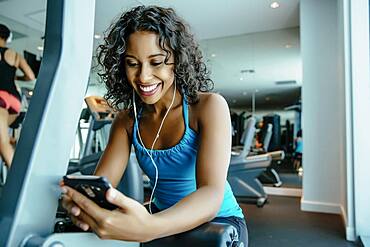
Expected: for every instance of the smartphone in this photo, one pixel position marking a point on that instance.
(93, 187)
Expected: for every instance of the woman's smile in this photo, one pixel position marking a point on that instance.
(149, 90)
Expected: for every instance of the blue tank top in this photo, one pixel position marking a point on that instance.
(299, 145)
(176, 171)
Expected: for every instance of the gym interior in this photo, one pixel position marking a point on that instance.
(295, 75)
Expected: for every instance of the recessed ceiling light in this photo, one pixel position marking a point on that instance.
(288, 46)
(97, 36)
(241, 78)
(213, 55)
(40, 48)
(286, 82)
(274, 5)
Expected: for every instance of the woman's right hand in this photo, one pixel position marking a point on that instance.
(72, 209)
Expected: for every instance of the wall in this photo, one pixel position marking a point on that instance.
(323, 97)
(347, 209)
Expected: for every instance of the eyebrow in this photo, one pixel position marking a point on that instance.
(151, 56)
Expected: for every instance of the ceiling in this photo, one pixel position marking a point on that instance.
(235, 35)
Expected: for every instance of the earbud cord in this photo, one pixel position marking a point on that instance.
(155, 140)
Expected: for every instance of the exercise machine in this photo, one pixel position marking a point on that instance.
(244, 170)
(270, 176)
(247, 166)
(99, 117)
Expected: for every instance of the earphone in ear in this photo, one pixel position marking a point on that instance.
(10, 38)
(155, 140)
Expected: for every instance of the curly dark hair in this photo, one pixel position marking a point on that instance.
(4, 32)
(190, 71)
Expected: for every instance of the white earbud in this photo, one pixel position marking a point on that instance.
(155, 140)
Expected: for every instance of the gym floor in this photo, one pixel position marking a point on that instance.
(291, 180)
(282, 223)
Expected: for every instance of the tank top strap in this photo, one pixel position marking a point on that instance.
(185, 109)
(136, 122)
(2, 53)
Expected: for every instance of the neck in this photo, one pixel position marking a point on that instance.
(164, 103)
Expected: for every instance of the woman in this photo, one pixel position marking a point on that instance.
(298, 143)
(10, 100)
(153, 69)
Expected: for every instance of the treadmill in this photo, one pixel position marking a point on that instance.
(245, 168)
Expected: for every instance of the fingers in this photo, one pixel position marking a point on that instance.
(79, 223)
(70, 206)
(117, 198)
(84, 221)
(85, 204)
(73, 212)
(72, 202)
(61, 183)
(67, 203)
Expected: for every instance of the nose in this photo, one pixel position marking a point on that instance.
(146, 73)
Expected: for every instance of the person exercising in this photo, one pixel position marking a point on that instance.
(10, 99)
(155, 75)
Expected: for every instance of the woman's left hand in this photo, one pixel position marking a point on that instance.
(130, 222)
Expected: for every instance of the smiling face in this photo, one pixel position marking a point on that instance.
(146, 69)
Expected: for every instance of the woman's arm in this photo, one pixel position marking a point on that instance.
(112, 165)
(113, 161)
(22, 64)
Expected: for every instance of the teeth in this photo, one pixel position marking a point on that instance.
(148, 88)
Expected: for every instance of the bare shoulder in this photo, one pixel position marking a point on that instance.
(209, 105)
(124, 120)
(211, 101)
(12, 57)
(10, 53)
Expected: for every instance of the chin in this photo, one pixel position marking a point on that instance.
(150, 100)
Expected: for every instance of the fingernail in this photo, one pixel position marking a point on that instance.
(84, 226)
(112, 194)
(75, 211)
